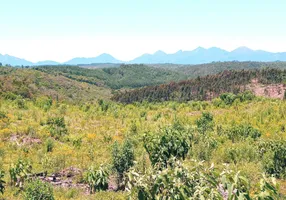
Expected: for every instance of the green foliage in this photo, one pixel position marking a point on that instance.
(2, 115)
(2, 182)
(49, 145)
(170, 141)
(97, 179)
(274, 157)
(125, 76)
(122, 157)
(38, 190)
(240, 132)
(268, 189)
(228, 98)
(205, 123)
(44, 103)
(21, 104)
(57, 127)
(19, 172)
(240, 152)
(10, 96)
(198, 182)
(227, 84)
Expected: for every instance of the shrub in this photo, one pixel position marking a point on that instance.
(57, 127)
(204, 147)
(197, 182)
(49, 145)
(38, 190)
(240, 152)
(19, 172)
(2, 115)
(2, 182)
(274, 157)
(174, 141)
(21, 104)
(205, 123)
(10, 96)
(228, 98)
(122, 157)
(97, 179)
(241, 132)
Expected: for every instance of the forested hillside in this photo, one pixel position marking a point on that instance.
(125, 76)
(205, 88)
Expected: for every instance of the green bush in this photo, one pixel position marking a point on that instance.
(49, 145)
(228, 98)
(21, 104)
(170, 141)
(122, 157)
(2, 182)
(57, 127)
(10, 96)
(198, 182)
(205, 123)
(19, 172)
(38, 190)
(241, 132)
(97, 179)
(2, 115)
(274, 157)
(203, 147)
(240, 152)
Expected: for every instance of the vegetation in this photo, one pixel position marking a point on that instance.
(97, 179)
(229, 147)
(125, 76)
(38, 190)
(204, 88)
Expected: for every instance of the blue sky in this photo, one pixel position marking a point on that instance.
(60, 29)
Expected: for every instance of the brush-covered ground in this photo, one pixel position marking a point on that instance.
(63, 138)
(27, 132)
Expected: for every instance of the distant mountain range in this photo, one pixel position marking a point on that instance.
(197, 56)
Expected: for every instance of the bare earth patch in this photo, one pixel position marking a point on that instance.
(272, 90)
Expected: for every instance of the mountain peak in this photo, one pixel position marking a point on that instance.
(242, 49)
(159, 52)
(199, 49)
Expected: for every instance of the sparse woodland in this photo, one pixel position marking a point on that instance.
(65, 134)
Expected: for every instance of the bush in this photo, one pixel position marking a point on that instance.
(274, 157)
(170, 142)
(97, 179)
(38, 190)
(198, 182)
(240, 152)
(241, 132)
(2, 182)
(10, 96)
(203, 147)
(205, 123)
(57, 127)
(19, 172)
(228, 98)
(2, 115)
(21, 104)
(122, 157)
(49, 145)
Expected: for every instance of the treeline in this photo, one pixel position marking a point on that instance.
(125, 76)
(203, 88)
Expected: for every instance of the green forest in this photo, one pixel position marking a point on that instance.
(143, 132)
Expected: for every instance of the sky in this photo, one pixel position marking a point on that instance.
(63, 29)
